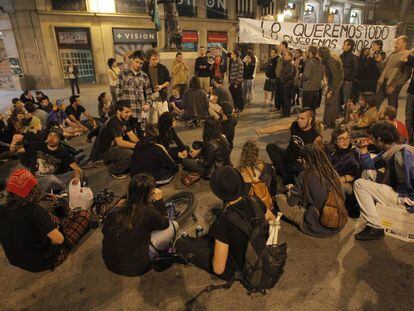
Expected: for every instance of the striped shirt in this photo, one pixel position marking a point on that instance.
(236, 72)
(134, 88)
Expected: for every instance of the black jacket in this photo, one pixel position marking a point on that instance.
(368, 69)
(163, 76)
(350, 65)
(288, 74)
(217, 154)
(170, 136)
(270, 70)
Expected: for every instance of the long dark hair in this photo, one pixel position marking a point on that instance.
(140, 191)
(316, 162)
(212, 130)
(194, 83)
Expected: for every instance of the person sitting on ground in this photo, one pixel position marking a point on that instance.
(151, 158)
(390, 116)
(216, 151)
(365, 114)
(176, 102)
(17, 123)
(195, 102)
(256, 173)
(39, 95)
(111, 145)
(49, 161)
(59, 117)
(27, 97)
(393, 188)
(105, 106)
(16, 104)
(222, 250)
(168, 135)
(136, 229)
(33, 111)
(221, 102)
(74, 112)
(302, 132)
(45, 104)
(32, 238)
(303, 202)
(344, 158)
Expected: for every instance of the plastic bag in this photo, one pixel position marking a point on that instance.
(79, 197)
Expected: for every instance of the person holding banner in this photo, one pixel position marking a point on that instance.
(395, 74)
(335, 75)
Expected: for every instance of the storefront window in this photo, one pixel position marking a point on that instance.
(310, 14)
(75, 45)
(336, 15)
(131, 6)
(69, 5)
(216, 9)
(190, 41)
(186, 8)
(355, 17)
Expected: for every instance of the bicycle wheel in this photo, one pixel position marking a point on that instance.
(183, 204)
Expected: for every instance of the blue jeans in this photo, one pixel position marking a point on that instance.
(409, 114)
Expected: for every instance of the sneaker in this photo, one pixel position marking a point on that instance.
(121, 176)
(369, 233)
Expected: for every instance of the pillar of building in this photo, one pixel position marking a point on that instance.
(404, 8)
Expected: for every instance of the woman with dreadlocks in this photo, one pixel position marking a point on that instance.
(303, 202)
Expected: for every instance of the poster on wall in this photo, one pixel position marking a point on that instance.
(6, 78)
(15, 66)
(127, 40)
(302, 35)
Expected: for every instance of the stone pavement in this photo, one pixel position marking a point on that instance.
(335, 273)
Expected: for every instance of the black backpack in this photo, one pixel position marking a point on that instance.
(263, 264)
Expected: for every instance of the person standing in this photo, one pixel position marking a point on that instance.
(283, 47)
(133, 86)
(202, 69)
(180, 73)
(311, 79)
(408, 58)
(378, 54)
(249, 67)
(299, 63)
(335, 75)
(113, 72)
(160, 79)
(73, 74)
(287, 79)
(350, 69)
(368, 72)
(270, 72)
(219, 68)
(236, 79)
(395, 74)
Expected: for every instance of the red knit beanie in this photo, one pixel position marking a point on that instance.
(21, 182)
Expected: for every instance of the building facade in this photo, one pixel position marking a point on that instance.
(39, 37)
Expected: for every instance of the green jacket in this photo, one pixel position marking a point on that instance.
(335, 74)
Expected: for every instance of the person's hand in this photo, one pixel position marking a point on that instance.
(363, 143)
(329, 95)
(378, 58)
(289, 187)
(85, 129)
(342, 179)
(75, 181)
(157, 88)
(17, 138)
(259, 132)
(94, 124)
(157, 194)
(390, 90)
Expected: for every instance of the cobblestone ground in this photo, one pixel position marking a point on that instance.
(336, 273)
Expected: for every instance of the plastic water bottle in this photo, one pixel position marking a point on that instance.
(271, 233)
(277, 228)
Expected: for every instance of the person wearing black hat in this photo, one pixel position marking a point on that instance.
(50, 162)
(222, 250)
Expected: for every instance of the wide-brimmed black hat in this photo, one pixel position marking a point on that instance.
(227, 183)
